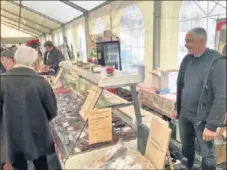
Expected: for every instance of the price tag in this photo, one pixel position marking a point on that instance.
(100, 125)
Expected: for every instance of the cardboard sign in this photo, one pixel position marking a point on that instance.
(100, 125)
(57, 76)
(90, 102)
(158, 143)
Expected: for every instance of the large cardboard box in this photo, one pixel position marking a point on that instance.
(163, 104)
(160, 78)
(221, 153)
(107, 33)
(107, 39)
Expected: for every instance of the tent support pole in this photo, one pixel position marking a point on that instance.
(156, 34)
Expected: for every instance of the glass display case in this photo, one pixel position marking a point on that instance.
(69, 130)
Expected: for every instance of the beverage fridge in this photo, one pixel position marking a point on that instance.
(109, 54)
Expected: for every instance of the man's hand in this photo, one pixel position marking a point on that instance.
(7, 167)
(175, 115)
(209, 135)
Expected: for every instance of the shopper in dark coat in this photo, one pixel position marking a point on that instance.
(27, 105)
(54, 56)
(201, 98)
(6, 60)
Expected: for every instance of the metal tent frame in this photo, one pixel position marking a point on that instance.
(33, 27)
(45, 24)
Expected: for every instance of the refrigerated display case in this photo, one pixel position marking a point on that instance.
(68, 124)
(69, 130)
(109, 54)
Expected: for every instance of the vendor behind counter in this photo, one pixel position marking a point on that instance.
(52, 57)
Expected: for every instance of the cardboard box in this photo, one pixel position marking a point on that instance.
(107, 33)
(163, 104)
(160, 78)
(107, 39)
(220, 145)
(221, 153)
(114, 38)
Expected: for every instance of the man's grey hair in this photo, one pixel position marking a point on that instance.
(26, 55)
(199, 33)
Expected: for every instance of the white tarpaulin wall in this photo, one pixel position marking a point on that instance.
(11, 35)
(8, 32)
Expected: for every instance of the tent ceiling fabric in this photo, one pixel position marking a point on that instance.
(39, 17)
(24, 22)
(53, 9)
(11, 11)
(10, 28)
(14, 23)
(7, 31)
(88, 5)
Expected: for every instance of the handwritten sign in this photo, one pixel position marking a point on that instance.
(90, 102)
(158, 143)
(100, 125)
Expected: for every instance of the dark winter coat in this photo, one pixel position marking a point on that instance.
(212, 103)
(2, 69)
(27, 105)
(54, 58)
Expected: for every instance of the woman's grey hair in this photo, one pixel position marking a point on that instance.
(199, 33)
(25, 55)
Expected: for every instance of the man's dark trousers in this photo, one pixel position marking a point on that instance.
(189, 129)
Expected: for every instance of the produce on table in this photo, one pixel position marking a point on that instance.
(90, 60)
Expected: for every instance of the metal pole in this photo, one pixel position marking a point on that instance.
(65, 43)
(156, 34)
(87, 33)
(136, 104)
(207, 24)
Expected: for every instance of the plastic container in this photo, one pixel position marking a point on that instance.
(110, 70)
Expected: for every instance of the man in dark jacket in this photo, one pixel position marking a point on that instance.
(27, 105)
(53, 57)
(7, 61)
(2, 68)
(201, 98)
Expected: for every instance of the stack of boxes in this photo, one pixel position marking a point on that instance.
(107, 37)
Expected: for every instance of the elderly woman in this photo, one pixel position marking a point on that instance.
(27, 105)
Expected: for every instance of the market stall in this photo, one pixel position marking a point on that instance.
(69, 124)
(129, 121)
(71, 131)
